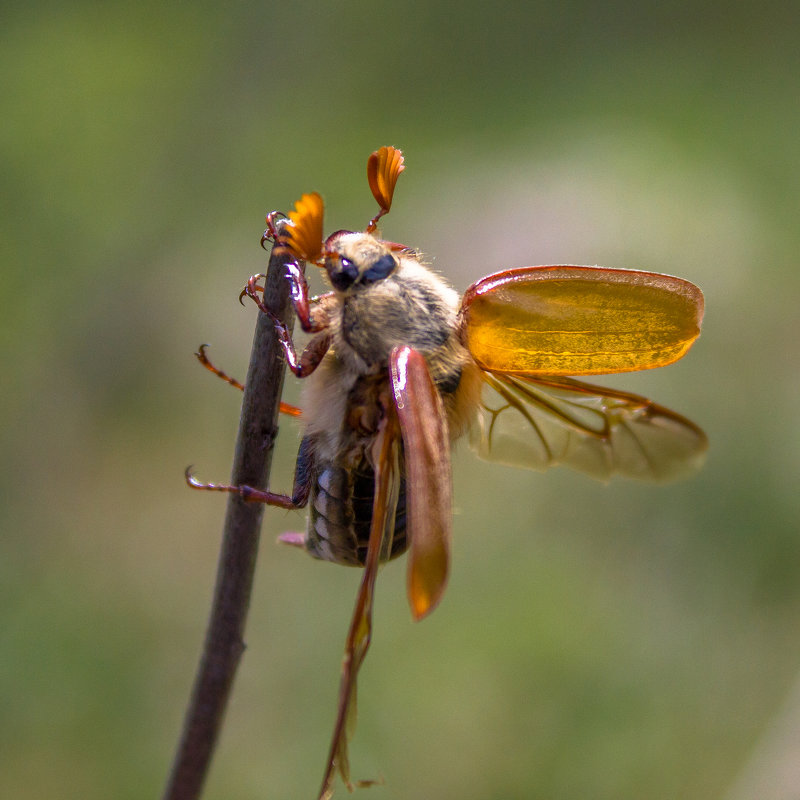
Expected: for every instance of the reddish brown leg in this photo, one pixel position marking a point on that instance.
(310, 313)
(386, 455)
(271, 233)
(292, 411)
(310, 358)
(247, 493)
(204, 360)
(304, 364)
(312, 318)
(252, 287)
(303, 477)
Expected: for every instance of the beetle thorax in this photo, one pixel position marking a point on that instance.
(409, 306)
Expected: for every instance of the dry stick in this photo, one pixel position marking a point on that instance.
(224, 642)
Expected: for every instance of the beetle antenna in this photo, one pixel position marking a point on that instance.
(383, 169)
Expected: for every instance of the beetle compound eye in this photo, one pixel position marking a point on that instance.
(343, 274)
(381, 269)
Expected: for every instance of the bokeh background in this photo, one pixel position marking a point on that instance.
(620, 641)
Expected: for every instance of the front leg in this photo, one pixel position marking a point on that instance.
(312, 312)
(311, 356)
(313, 316)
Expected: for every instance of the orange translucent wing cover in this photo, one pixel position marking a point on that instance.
(426, 448)
(566, 320)
(303, 234)
(383, 168)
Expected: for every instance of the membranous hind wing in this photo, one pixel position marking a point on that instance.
(539, 423)
(532, 327)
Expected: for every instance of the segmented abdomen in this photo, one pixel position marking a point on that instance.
(340, 515)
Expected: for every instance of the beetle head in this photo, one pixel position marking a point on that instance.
(356, 260)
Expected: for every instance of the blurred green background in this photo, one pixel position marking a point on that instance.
(621, 641)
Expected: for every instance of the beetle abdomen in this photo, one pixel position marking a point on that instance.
(340, 516)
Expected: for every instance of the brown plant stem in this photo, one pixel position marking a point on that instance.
(224, 643)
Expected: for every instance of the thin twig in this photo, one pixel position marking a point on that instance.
(224, 643)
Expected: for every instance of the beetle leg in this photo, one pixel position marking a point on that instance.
(313, 317)
(252, 287)
(311, 356)
(205, 361)
(286, 408)
(312, 313)
(387, 473)
(271, 232)
(303, 476)
(247, 493)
